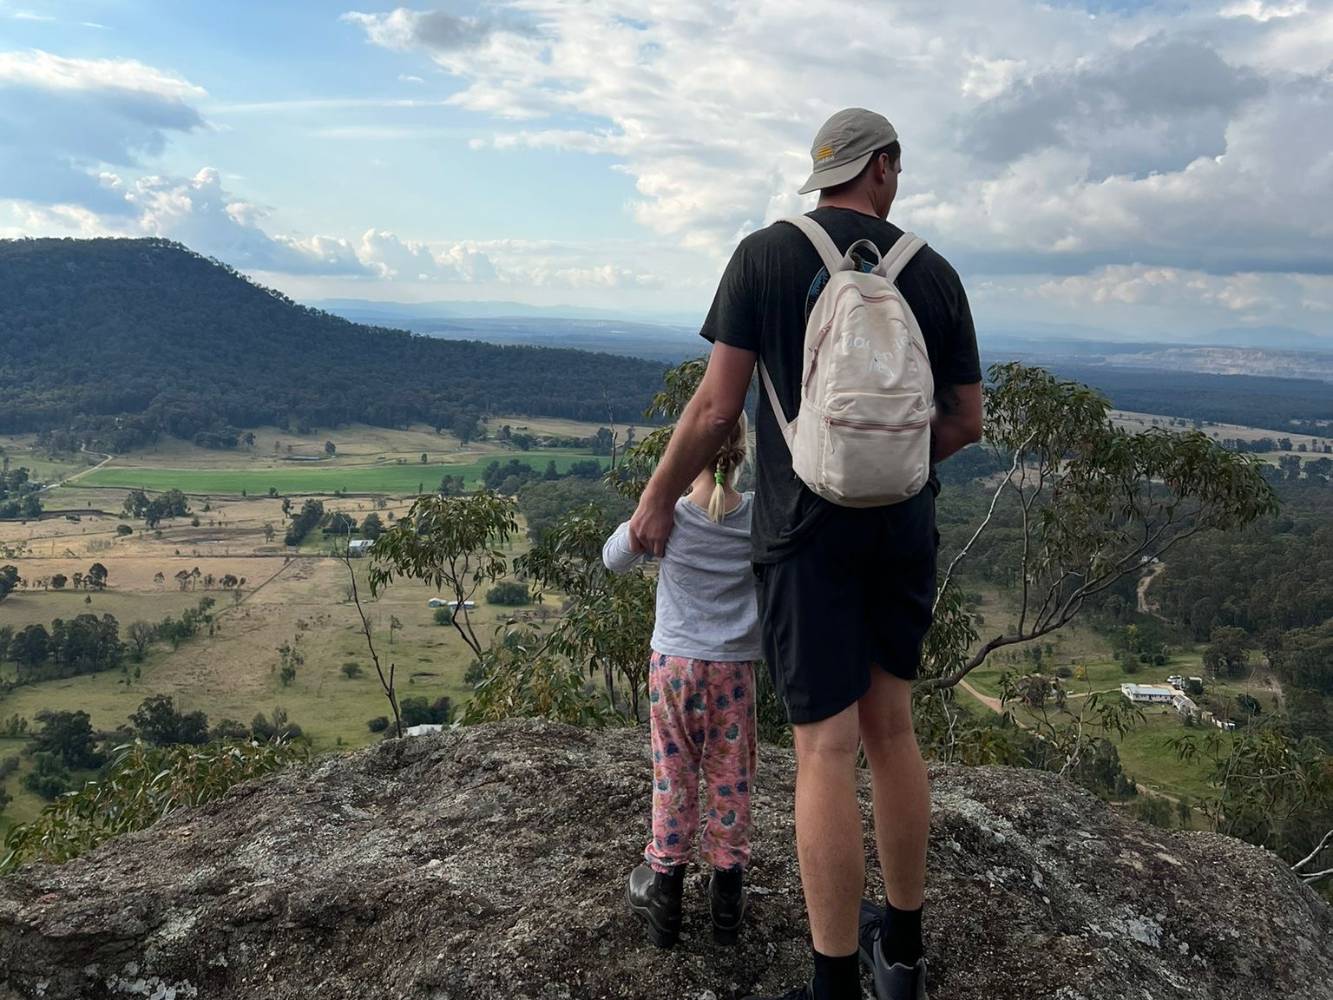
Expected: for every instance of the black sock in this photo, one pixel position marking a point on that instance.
(900, 940)
(836, 977)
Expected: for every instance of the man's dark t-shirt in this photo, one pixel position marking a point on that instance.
(762, 303)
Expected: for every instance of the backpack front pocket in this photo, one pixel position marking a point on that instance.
(874, 448)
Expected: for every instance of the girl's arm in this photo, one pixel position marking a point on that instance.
(616, 553)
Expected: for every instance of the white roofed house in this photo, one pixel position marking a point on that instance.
(1147, 694)
(359, 546)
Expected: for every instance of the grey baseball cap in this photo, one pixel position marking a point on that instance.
(843, 146)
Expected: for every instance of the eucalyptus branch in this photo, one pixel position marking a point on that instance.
(1309, 858)
(1311, 878)
(386, 683)
(994, 500)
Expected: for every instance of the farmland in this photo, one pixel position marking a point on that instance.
(298, 596)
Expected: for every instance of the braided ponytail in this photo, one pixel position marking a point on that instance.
(726, 466)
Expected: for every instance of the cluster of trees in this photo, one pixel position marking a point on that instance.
(543, 504)
(418, 711)
(9, 580)
(1263, 445)
(1292, 469)
(67, 746)
(312, 513)
(190, 579)
(85, 644)
(172, 630)
(508, 593)
(20, 497)
(603, 442)
(1146, 641)
(172, 503)
(224, 348)
(510, 477)
(88, 644)
(94, 579)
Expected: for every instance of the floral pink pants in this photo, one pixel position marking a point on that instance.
(703, 721)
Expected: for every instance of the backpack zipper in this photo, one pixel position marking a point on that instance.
(867, 425)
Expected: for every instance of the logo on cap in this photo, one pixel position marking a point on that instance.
(823, 153)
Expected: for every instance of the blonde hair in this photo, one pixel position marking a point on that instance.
(727, 466)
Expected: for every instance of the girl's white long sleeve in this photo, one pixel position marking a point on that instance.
(616, 554)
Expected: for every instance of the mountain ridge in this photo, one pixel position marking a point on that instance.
(129, 338)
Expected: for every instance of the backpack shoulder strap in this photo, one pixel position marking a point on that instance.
(785, 425)
(815, 233)
(899, 254)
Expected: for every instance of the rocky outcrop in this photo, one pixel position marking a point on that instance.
(488, 863)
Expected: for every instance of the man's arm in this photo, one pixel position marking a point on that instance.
(700, 432)
(957, 420)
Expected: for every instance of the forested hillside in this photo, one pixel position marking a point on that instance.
(119, 340)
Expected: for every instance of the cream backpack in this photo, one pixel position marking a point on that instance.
(862, 436)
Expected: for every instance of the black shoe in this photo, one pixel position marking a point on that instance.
(727, 899)
(656, 898)
(892, 982)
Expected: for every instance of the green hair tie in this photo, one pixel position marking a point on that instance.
(720, 478)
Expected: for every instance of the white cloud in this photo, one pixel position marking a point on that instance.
(202, 214)
(51, 72)
(437, 30)
(1139, 291)
(1260, 11)
(393, 258)
(64, 118)
(1036, 138)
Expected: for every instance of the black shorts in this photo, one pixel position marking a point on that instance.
(855, 596)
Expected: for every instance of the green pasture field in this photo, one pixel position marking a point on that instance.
(383, 478)
(234, 674)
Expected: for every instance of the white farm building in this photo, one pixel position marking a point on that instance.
(1148, 694)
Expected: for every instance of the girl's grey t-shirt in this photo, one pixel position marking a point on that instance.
(706, 603)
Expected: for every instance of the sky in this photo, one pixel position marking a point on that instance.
(1140, 170)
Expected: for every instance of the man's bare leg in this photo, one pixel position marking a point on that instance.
(901, 787)
(828, 830)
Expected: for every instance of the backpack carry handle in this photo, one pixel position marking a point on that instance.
(892, 263)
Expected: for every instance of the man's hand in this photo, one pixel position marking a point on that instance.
(650, 527)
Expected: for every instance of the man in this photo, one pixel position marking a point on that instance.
(845, 594)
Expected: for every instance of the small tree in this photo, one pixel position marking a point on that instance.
(1227, 652)
(330, 449)
(454, 544)
(289, 658)
(509, 593)
(1094, 502)
(141, 635)
(386, 677)
(608, 628)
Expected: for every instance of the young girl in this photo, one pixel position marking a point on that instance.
(701, 698)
